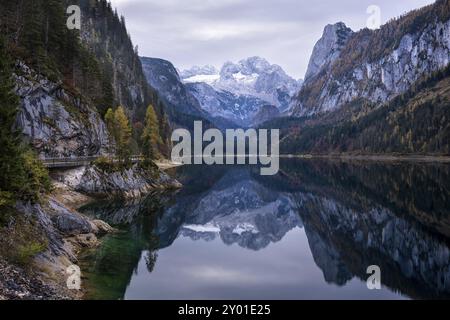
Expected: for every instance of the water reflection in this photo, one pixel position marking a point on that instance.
(309, 232)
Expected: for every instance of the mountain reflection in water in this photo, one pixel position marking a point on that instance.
(309, 232)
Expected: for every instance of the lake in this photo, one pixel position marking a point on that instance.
(310, 232)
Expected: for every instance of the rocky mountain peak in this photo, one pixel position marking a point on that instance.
(328, 48)
(254, 65)
(240, 90)
(375, 66)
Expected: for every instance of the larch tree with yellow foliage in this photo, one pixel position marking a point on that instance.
(120, 129)
(151, 140)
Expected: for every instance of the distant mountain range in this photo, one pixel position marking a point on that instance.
(182, 106)
(369, 91)
(243, 94)
(247, 92)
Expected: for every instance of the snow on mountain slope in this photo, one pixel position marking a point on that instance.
(240, 109)
(240, 90)
(206, 78)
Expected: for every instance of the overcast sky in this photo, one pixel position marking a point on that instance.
(199, 32)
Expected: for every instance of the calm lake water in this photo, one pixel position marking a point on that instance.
(309, 232)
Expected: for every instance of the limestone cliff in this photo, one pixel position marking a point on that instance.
(375, 65)
(57, 123)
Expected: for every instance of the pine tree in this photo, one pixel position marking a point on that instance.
(32, 36)
(10, 160)
(151, 140)
(22, 175)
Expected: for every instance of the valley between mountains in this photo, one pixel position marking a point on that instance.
(88, 93)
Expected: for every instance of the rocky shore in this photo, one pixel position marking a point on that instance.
(131, 183)
(64, 231)
(19, 284)
(52, 235)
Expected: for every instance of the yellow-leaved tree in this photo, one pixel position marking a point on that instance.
(120, 129)
(151, 140)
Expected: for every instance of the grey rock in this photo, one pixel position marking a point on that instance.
(416, 56)
(54, 128)
(196, 70)
(163, 76)
(328, 48)
(131, 183)
(68, 222)
(19, 284)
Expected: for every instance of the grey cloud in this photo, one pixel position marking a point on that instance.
(189, 32)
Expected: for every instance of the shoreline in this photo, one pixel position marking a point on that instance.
(70, 198)
(374, 157)
(67, 195)
(167, 164)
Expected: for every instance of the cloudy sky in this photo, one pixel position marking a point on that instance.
(199, 32)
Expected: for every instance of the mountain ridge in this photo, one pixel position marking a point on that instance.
(383, 93)
(379, 65)
(239, 90)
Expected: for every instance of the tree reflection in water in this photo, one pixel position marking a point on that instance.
(354, 214)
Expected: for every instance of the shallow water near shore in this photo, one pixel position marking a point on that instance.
(310, 232)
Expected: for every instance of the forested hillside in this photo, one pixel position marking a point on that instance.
(377, 65)
(386, 91)
(414, 122)
(56, 86)
(86, 71)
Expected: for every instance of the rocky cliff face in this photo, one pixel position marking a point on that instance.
(163, 76)
(328, 48)
(375, 65)
(57, 123)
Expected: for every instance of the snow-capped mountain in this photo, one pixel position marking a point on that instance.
(181, 106)
(243, 110)
(240, 90)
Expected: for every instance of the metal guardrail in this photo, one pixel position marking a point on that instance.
(79, 161)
